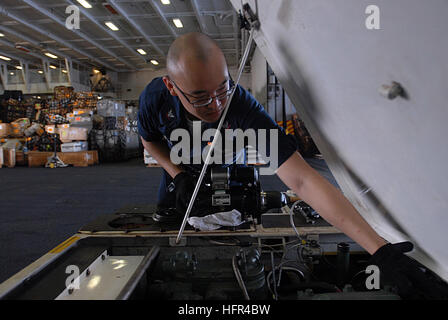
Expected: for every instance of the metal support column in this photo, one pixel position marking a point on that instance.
(46, 68)
(69, 68)
(25, 75)
(4, 74)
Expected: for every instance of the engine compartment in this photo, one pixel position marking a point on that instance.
(231, 267)
(303, 271)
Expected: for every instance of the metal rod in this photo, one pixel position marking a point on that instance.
(127, 290)
(239, 278)
(136, 26)
(162, 16)
(215, 139)
(284, 109)
(61, 22)
(275, 99)
(6, 12)
(99, 23)
(38, 44)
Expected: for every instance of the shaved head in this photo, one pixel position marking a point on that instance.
(197, 70)
(190, 50)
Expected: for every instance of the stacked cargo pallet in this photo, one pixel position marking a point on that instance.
(76, 159)
(115, 133)
(68, 114)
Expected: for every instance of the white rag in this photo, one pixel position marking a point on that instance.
(216, 221)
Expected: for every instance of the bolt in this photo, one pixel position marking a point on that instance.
(87, 272)
(391, 91)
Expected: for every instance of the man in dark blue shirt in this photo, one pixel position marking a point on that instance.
(197, 88)
(161, 114)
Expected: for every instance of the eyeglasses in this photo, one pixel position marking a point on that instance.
(203, 102)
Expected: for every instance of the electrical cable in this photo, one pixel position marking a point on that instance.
(357, 274)
(273, 275)
(288, 268)
(279, 244)
(291, 218)
(230, 244)
(300, 272)
(239, 278)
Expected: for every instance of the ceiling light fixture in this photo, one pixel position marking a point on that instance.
(85, 4)
(178, 23)
(19, 67)
(165, 2)
(40, 71)
(53, 67)
(111, 26)
(64, 71)
(141, 51)
(51, 55)
(5, 58)
(1, 34)
(155, 62)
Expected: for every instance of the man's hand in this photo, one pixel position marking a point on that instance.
(406, 274)
(184, 187)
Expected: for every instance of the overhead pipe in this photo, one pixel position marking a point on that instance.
(77, 32)
(108, 31)
(4, 11)
(11, 45)
(284, 109)
(160, 13)
(198, 15)
(18, 59)
(343, 263)
(38, 44)
(121, 11)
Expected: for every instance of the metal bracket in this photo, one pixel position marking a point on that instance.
(312, 238)
(173, 242)
(312, 246)
(248, 19)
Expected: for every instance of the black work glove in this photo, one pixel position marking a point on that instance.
(184, 187)
(406, 274)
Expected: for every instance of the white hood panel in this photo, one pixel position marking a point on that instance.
(390, 157)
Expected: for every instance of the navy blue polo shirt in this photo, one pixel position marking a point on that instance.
(160, 114)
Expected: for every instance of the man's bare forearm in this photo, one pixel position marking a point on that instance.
(329, 202)
(160, 152)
